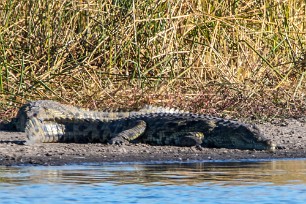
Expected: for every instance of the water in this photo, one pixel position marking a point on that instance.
(276, 181)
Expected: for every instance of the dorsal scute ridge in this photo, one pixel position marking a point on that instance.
(159, 109)
(162, 114)
(110, 114)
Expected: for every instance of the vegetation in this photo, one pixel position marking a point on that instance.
(229, 58)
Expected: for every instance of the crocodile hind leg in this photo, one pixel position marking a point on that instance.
(130, 134)
(173, 138)
(190, 139)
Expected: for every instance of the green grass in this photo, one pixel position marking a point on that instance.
(218, 57)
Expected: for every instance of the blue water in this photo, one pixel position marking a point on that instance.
(276, 181)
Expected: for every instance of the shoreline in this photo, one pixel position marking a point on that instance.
(288, 134)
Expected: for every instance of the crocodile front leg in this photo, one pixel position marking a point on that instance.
(135, 131)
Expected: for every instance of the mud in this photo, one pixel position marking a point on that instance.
(289, 135)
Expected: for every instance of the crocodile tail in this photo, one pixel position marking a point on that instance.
(8, 126)
(34, 131)
(38, 131)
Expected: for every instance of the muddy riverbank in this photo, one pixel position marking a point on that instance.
(289, 135)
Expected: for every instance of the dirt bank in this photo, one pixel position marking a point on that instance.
(289, 134)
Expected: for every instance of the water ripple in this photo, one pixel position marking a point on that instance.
(276, 181)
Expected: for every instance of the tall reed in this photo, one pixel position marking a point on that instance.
(222, 57)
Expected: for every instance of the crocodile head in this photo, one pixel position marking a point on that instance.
(239, 136)
(252, 138)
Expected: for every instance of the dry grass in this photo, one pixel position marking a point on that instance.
(220, 57)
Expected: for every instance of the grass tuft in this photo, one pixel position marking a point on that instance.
(229, 58)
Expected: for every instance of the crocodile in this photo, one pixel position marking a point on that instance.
(50, 121)
(179, 129)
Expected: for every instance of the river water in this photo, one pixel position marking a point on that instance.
(257, 181)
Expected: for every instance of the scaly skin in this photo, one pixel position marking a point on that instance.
(46, 110)
(49, 121)
(154, 128)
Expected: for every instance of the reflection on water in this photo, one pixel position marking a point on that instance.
(277, 172)
(277, 181)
